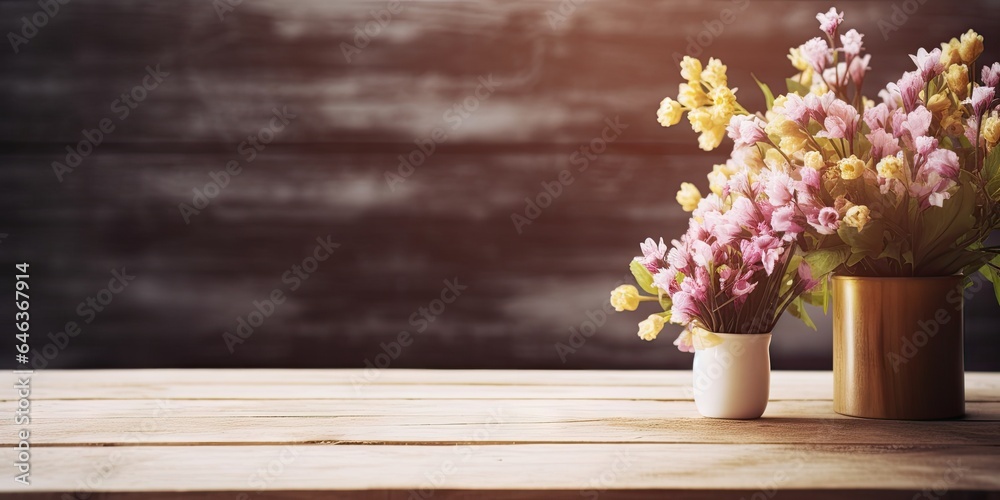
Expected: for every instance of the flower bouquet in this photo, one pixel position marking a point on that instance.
(897, 198)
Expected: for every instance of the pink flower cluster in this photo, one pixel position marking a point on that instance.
(725, 272)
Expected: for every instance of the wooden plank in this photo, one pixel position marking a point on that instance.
(512, 467)
(449, 422)
(412, 384)
(607, 59)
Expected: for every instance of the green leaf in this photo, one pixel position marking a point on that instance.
(796, 87)
(819, 296)
(993, 274)
(940, 228)
(797, 308)
(768, 96)
(642, 277)
(826, 260)
(991, 167)
(993, 186)
(666, 303)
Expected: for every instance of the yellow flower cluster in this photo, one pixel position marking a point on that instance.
(625, 298)
(800, 63)
(957, 78)
(857, 216)
(991, 130)
(814, 160)
(719, 176)
(650, 327)
(964, 50)
(688, 196)
(706, 97)
(890, 167)
(851, 167)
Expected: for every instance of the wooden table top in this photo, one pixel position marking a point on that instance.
(420, 434)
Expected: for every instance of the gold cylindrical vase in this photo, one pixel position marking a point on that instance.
(898, 347)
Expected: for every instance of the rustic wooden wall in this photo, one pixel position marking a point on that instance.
(562, 70)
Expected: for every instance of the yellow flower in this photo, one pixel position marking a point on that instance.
(688, 196)
(650, 327)
(715, 73)
(970, 46)
(691, 96)
(723, 105)
(949, 52)
(691, 70)
(938, 103)
(711, 138)
(719, 176)
(814, 159)
(851, 167)
(774, 159)
(798, 61)
(781, 126)
(625, 298)
(791, 144)
(717, 181)
(669, 113)
(953, 123)
(701, 119)
(991, 130)
(957, 77)
(857, 216)
(890, 167)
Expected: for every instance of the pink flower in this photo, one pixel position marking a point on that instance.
(908, 87)
(817, 52)
(841, 121)
(928, 63)
(877, 116)
(925, 144)
(931, 189)
(981, 99)
(912, 125)
(830, 21)
(827, 221)
(794, 108)
(810, 177)
(784, 219)
(883, 143)
(746, 130)
(652, 254)
(702, 253)
(991, 75)
(743, 212)
(943, 162)
(805, 274)
(723, 230)
(852, 42)
(818, 105)
(664, 279)
(771, 249)
(859, 66)
(683, 342)
(742, 287)
(778, 187)
(971, 128)
(684, 308)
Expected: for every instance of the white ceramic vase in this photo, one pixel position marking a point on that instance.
(733, 379)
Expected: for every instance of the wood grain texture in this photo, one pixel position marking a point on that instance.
(205, 434)
(557, 79)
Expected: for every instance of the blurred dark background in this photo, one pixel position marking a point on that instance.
(506, 92)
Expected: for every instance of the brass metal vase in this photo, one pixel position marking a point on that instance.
(898, 348)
